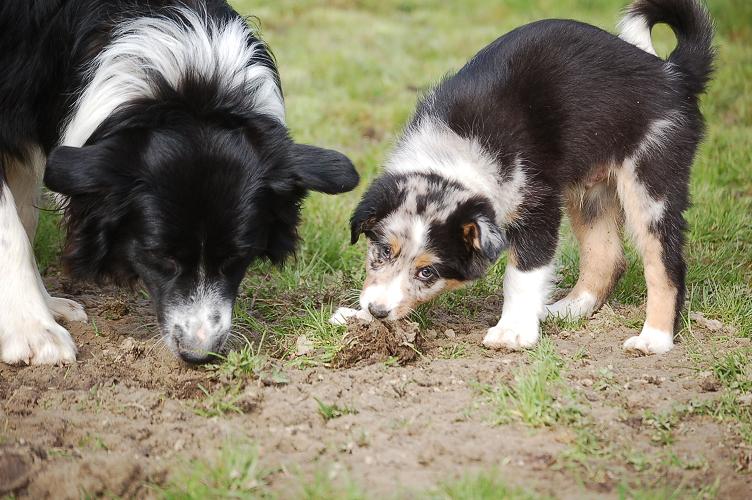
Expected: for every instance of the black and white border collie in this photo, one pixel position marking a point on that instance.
(162, 124)
(554, 114)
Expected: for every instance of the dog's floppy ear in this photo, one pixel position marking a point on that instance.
(323, 170)
(74, 171)
(364, 217)
(485, 237)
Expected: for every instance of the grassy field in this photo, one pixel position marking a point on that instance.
(351, 72)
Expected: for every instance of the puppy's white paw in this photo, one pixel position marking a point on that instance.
(66, 309)
(341, 315)
(37, 343)
(650, 341)
(512, 336)
(572, 307)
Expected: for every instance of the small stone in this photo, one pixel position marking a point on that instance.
(449, 333)
(431, 334)
(587, 382)
(179, 444)
(303, 346)
(711, 324)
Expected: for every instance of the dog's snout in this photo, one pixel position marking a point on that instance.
(378, 311)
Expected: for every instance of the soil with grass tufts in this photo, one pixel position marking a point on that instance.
(575, 417)
(378, 341)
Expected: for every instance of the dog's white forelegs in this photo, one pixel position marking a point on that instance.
(28, 332)
(525, 294)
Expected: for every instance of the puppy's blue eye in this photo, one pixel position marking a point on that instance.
(426, 273)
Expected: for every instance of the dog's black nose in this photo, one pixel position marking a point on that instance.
(378, 311)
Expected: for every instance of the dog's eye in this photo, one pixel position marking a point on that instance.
(164, 264)
(426, 273)
(386, 251)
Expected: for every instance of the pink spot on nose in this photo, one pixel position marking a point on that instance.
(201, 334)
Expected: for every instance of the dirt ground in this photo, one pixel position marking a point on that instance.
(127, 415)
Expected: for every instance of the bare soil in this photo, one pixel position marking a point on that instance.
(127, 415)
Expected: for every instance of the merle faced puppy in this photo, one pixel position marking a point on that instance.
(554, 114)
(163, 125)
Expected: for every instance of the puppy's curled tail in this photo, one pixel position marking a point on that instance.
(693, 27)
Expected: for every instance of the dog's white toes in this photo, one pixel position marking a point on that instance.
(571, 308)
(66, 309)
(499, 337)
(341, 315)
(650, 341)
(38, 344)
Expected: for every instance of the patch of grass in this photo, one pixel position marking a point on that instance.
(331, 411)
(734, 370)
(663, 425)
(236, 472)
(324, 487)
(730, 406)
(242, 363)
(453, 351)
(220, 401)
(680, 492)
(49, 239)
(482, 486)
(535, 397)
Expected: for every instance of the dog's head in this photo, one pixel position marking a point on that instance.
(426, 235)
(185, 205)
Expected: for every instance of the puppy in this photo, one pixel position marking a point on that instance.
(554, 114)
(163, 125)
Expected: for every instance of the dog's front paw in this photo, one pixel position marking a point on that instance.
(572, 308)
(650, 341)
(66, 309)
(37, 343)
(342, 314)
(512, 336)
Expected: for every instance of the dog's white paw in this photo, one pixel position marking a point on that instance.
(572, 307)
(37, 343)
(66, 309)
(650, 341)
(512, 336)
(342, 314)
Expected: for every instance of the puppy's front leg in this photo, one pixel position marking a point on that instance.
(527, 278)
(525, 294)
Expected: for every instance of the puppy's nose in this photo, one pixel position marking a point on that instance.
(378, 311)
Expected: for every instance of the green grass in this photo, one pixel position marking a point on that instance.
(482, 486)
(332, 411)
(536, 395)
(234, 473)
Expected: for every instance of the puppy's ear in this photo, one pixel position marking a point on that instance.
(485, 237)
(75, 171)
(323, 170)
(363, 218)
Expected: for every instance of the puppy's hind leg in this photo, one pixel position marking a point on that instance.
(656, 223)
(596, 218)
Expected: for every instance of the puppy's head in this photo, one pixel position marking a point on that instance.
(185, 205)
(426, 235)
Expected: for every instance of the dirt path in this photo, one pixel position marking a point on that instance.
(125, 417)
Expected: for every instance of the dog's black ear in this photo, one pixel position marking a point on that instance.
(485, 236)
(323, 170)
(74, 171)
(364, 217)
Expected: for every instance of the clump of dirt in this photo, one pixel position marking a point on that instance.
(374, 342)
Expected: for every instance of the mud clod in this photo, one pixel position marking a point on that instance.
(375, 342)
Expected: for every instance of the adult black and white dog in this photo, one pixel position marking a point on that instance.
(554, 114)
(163, 125)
